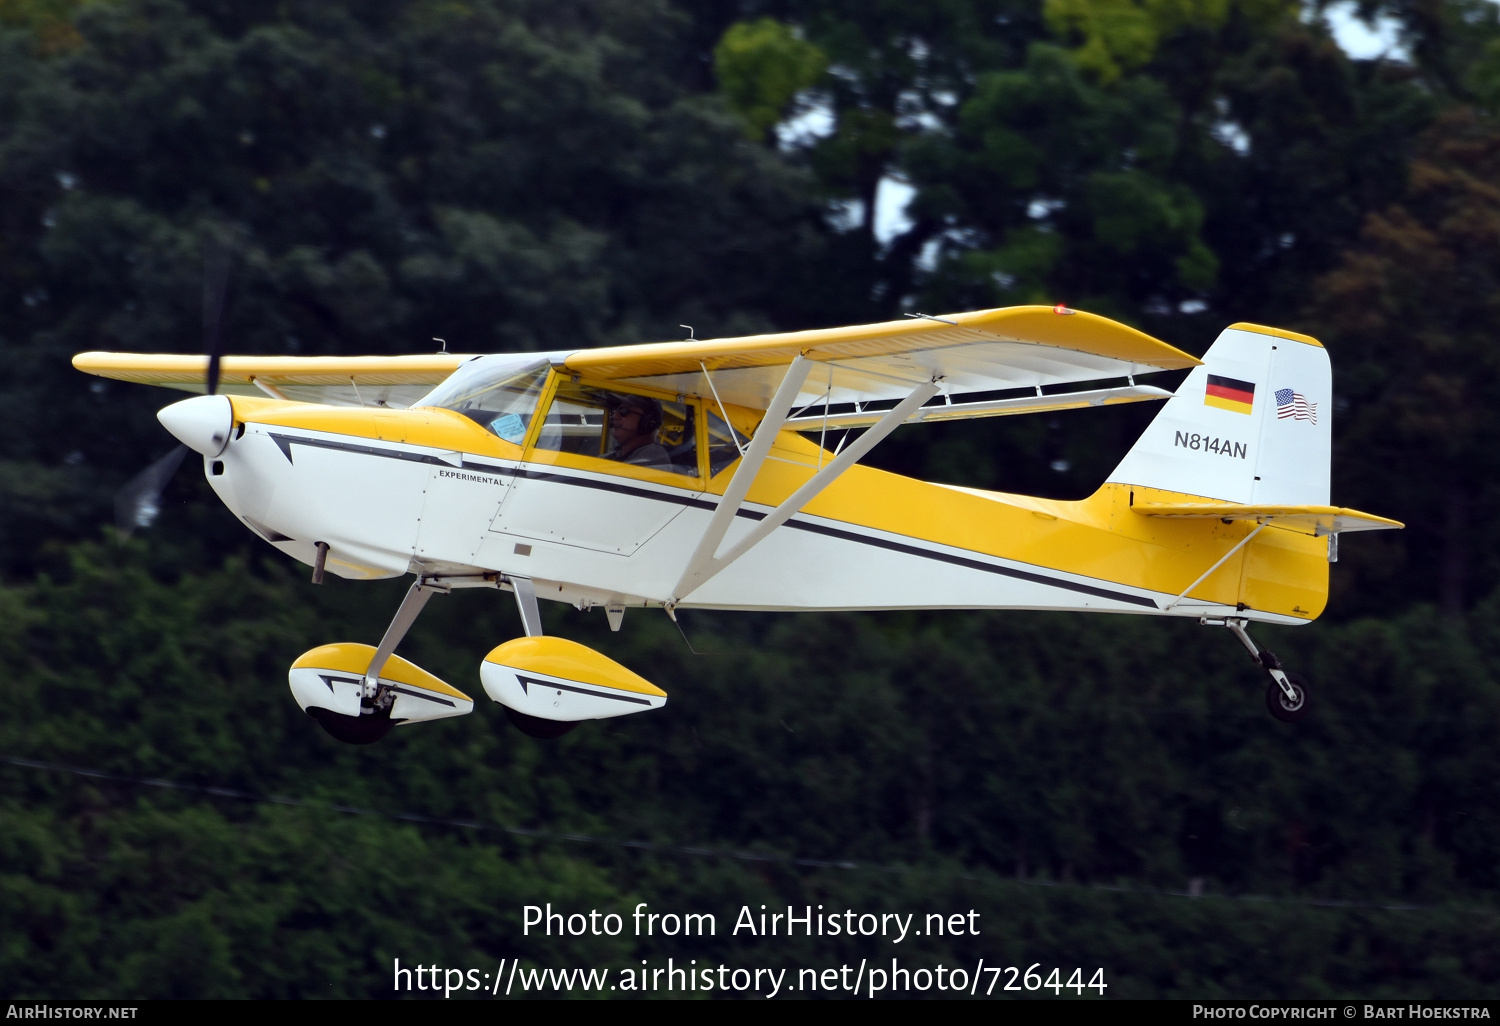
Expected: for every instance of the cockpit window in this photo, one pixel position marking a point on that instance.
(724, 444)
(623, 427)
(495, 393)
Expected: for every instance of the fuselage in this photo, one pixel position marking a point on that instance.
(431, 490)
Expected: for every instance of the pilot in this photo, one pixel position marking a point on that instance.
(633, 426)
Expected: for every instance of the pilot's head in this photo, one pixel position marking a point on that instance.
(635, 421)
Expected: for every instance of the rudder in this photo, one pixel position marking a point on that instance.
(1253, 424)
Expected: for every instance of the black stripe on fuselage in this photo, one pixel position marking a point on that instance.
(285, 443)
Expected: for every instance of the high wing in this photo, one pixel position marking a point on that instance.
(394, 381)
(984, 351)
(911, 361)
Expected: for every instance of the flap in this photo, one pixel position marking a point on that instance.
(945, 411)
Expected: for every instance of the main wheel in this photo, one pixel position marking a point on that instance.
(353, 730)
(1287, 709)
(535, 726)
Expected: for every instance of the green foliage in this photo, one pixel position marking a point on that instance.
(1485, 76)
(500, 175)
(1122, 35)
(1415, 303)
(512, 174)
(762, 66)
(972, 751)
(49, 21)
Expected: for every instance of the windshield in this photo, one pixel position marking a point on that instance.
(496, 392)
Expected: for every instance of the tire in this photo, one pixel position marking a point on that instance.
(1276, 700)
(353, 730)
(535, 726)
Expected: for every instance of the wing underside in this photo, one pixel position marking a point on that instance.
(985, 351)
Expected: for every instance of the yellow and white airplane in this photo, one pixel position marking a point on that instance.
(695, 475)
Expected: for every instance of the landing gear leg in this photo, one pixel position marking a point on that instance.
(374, 719)
(1286, 693)
(411, 607)
(531, 613)
(531, 622)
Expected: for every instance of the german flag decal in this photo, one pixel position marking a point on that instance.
(1229, 394)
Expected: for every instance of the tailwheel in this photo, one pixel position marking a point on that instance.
(1286, 693)
(354, 730)
(1288, 708)
(535, 726)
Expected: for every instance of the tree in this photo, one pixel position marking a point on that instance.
(1177, 166)
(1413, 310)
(505, 175)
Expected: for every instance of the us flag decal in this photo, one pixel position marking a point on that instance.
(1295, 405)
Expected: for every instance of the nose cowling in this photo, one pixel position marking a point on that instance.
(202, 423)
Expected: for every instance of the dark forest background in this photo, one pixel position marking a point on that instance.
(514, 174)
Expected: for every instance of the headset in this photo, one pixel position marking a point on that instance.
(651, 415)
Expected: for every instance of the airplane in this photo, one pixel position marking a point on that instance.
(702, 474)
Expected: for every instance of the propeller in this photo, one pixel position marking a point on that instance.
(215, 288)
(138, 504)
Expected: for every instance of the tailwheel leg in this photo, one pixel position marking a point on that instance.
(1286, 693)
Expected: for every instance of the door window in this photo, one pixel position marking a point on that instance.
(622, 427)
(724, 444)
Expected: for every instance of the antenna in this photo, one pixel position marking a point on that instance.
(445, 344)
(690, 337)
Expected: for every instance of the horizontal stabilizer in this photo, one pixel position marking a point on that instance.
(1315, 520)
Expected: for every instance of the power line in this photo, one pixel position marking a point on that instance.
(701, 851)
(413, 817)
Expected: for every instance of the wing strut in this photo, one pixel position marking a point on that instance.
(704, 564)
(700, 566)
(1222, 560)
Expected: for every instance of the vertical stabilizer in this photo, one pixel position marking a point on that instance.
(1252, 425)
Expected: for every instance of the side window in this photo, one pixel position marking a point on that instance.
(500, 397)
(623, 427)
(575, 421)
(722, 449)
